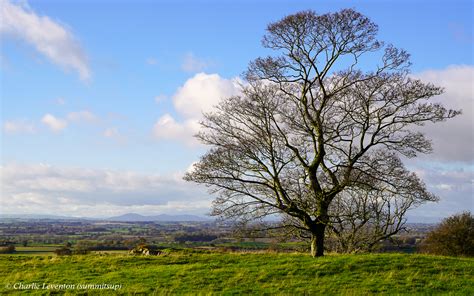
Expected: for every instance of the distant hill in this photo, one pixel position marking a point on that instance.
(132, 217)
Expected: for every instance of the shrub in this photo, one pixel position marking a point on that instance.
(453, 237)
(64, 251)
(8, 249)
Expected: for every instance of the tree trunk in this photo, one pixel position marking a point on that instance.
(317, 240)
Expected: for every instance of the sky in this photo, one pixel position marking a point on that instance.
(100, 99)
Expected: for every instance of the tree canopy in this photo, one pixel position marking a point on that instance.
(316, 136)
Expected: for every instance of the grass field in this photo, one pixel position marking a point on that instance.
(191, 272)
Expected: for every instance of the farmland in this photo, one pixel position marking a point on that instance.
(42, 237)
(202, 257)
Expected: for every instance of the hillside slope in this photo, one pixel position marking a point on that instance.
(247, 273)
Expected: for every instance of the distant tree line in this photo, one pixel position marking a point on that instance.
(196, 237)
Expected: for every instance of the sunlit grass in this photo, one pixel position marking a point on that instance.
(256, 273)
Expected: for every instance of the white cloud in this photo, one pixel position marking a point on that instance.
(55, 124)
(18, 126)
(191, 167)
(48, 189)
(48, 37)
(193, 64)
(82, 116)
(54, 183)
(52, 122)
(202, 92)
(167, 128)
(453, 140)
(198, 94)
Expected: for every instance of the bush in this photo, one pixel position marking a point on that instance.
(7, 249)
(64, 251)
(453, 237)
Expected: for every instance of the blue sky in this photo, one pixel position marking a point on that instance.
(111, 90)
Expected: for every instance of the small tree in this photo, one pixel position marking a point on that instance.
(312, 135)
(453, 237)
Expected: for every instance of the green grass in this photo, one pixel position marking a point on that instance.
(191, 272)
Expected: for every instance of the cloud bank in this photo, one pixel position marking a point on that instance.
(50, 189)
(454, 186)
(453, 140)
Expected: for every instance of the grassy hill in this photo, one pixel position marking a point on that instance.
(246, 273)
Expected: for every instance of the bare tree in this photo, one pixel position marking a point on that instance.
(312, 134)
(361, 217)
